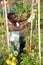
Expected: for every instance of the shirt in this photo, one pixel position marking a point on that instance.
(14, 36)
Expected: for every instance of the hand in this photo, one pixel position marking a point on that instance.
(31, 18)
(28, 15)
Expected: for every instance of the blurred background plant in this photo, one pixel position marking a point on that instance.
(27, 57)
(30, 58)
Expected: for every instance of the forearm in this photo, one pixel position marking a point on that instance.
(21, 19)
(20, 27)
(25, 24)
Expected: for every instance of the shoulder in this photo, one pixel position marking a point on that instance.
(9, 23)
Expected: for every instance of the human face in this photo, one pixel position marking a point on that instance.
(13, 18)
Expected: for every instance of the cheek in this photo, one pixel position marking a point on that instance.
(14, 19)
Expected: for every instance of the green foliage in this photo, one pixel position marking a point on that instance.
(27, 39)
(2, 20)
(0, 11)
(29, 58)
(41, 12)
(41, 16)
(2, 29)
(0, 62)
(20, 10)
(4, 51)
(12, 58)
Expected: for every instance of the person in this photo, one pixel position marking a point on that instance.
(14, 25)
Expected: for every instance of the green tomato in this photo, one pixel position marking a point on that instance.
(14, 58)
(15, 53)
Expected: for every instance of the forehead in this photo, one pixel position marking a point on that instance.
(13, 16)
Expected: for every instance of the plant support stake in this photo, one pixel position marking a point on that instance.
(39, 31)
(32, 8)
(6, 23)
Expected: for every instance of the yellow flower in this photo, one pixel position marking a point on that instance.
(13, 63)
(26, 48)
(8, 62)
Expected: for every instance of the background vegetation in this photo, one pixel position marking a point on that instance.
(27, 57)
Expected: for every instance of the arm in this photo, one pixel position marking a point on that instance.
(23, 18)
(15, 28)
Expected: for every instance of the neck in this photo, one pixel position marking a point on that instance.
(14, 23)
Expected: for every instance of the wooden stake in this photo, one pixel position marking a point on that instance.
(32, 7)
(6, 23)
(24, 3)
(39, 31)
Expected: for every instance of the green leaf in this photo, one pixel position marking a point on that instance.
(41, 15)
